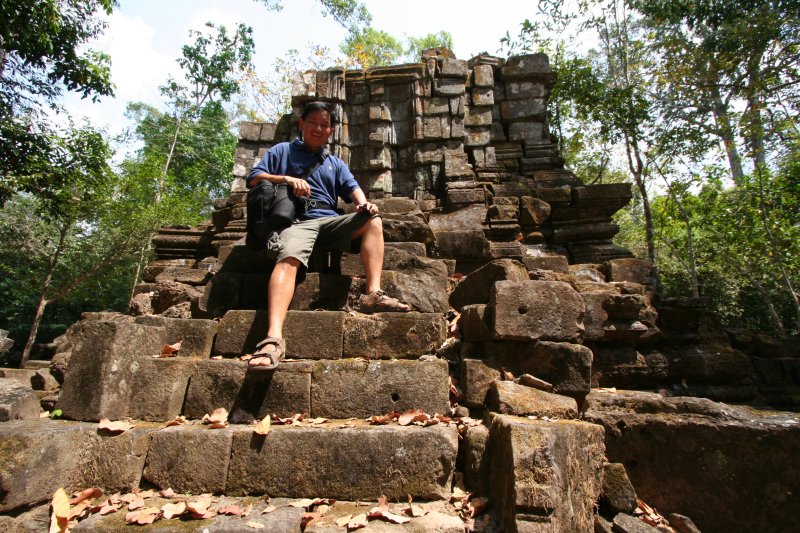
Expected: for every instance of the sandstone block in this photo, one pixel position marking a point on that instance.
(393, 335)
(526, 131)
(516, 90)
(159, 388)
(509, 398)
(483, 76)
(534, 212)
(448, 87)
(566, 366)
(221, 294)
(529, 108)
(536, 310)
(476, 460)
(349, 463)
(556, 263)
(191, 459)
(547, 469)
(39, 456)
(482, 96)
(451, 67)
(116, 462)
(283, 392)
(396, 230)
(322, 291)
(17, 401)
(357, 388)
(630, 524)
(424, 291)
(104, 360)
(618, 494)
(525, 66)
(474, 324)
(476, 287)
(629, 269)
(23, 376)
(309, 334)
(195, 335)
(214, 384)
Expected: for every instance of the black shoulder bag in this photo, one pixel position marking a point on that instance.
(270, 207)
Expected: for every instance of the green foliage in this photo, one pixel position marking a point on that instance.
(416, 45)
(372, 48)
(351, 14)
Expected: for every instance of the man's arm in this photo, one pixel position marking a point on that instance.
(360, 199)
(299, 186)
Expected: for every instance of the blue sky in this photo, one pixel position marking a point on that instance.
(144, 37)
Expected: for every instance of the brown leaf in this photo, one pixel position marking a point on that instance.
(412, 415)
(308, 517)
(269, 509)
(60, 508)
(137, 503)
(114, 427)
(199, 507)
(167, 493)
(233, 510)
(171, 510)
(318, 420)
(382, 419)
(378, 512)
(170, 350)
(310, 502)
(357, 522)
(342, 521)
(479, 505)
(219, 416)
(145, 516)
(255, 525)
(177, 421)
(79, 510)
(414, 511)
(87, 494)
(145, 493)
(263, 427)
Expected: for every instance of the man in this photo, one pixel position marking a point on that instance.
(319, 224)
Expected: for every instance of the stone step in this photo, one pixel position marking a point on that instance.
(141, 387)
(335, 334)
(339, 459)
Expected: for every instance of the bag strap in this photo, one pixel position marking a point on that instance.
(320, 159)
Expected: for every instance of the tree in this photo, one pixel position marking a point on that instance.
(351, 14)
(372, 48)
(416, 45)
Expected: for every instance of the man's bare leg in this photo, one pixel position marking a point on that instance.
(372, 249)
(279, 294)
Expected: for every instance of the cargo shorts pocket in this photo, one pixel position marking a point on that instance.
(275, 245)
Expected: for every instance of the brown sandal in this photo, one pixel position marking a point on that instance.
(272, 349)
(379, 301)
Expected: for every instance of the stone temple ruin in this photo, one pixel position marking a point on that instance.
(526, 320)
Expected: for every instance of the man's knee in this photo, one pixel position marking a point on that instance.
(374, 224)
(287, 263)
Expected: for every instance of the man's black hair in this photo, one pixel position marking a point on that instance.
(320, 106)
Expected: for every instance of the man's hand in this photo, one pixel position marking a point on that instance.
(368, 207)
(299, 186)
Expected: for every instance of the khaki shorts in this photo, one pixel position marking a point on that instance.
(327, 233)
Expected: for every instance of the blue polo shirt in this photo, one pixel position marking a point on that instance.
(330, 181)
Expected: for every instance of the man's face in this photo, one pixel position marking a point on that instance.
(316, 129)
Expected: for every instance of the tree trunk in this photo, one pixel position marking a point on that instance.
(164, 172)
(726, 134)
(37, 319)
(139, 263)
(636, 166)
(770, 306)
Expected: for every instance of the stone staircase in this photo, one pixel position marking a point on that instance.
(522, 308)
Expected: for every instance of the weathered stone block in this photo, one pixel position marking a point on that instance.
(536, 310)
(448, 87)
(189, 459)
(322, 291)
(547, 469)
(349, 463)
(509, 398)
(474, 324)
(523, 109)
(556, 263)
(104, 359)
(525, 131)
(357, 388)
(451, 67)
(476, 461)
(17, 401)
(534, 211)
(159, 388)
(482, 96)
(525, 66)
(283, 392)
(630, 269)
(214, 384)
(566, 366)
(115, 462)
(516, 90)
(308, 334)
(483, 76)
(476, 287)
(221, 294)
(424, 291)
(618, 494)
(39, 456)
(390, 335)
(195, 335)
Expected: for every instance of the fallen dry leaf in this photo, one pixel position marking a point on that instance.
(60, 509)
(177, 421)
(412, 415)
(137, 503)
(233, 510)
(357, 522)
(256, 525)
(342, 521)
(199, 508)
(247, 510)
(150, 493)
(171, 510)
(479, 505)
(145, 516)
(79, 509)
(269, 509)
(167, 493)
(108, 508)
(377, 512)
(170, 350)
(308, 517)
(310, 502)
(262, 427)
(318, 420)
(88, 494)
(114, 427)
(382, 419)
(413, 510)
(219, 416)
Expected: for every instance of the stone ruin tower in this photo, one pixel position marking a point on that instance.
(482, 405)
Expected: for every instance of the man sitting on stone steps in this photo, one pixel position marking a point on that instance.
(320, 224)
